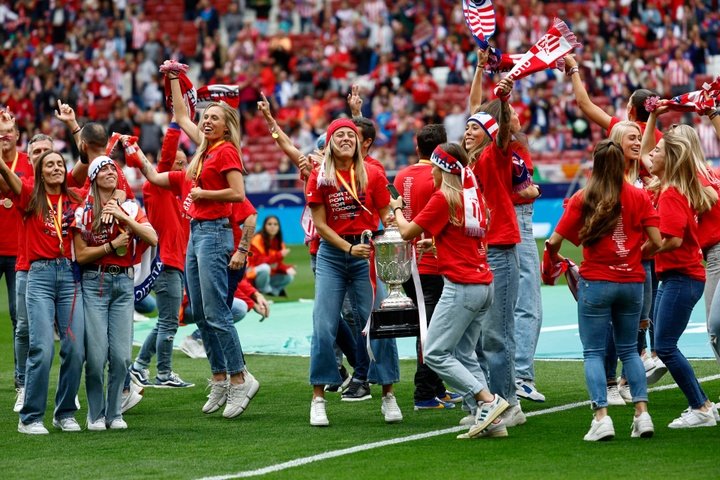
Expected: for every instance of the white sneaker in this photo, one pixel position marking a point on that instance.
(600, 430)
(613, 396)
(624, 391)
(694, 418)
(239, 396)
(642, 426)
(19, 399)
(495, 430)
(118, 424)
(715, 412)
(486, 413)
(131, 398)
(468, 420)
(390, 409)
(217, 396)
(193, 348)
(648, 362)
(68, 424)
(97, 426)
(35, 428)
(318, 417)
(526, 389)
(513, 416)
(657, 372)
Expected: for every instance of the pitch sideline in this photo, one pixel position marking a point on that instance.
(410, 438)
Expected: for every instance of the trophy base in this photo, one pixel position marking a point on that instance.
(395, 323)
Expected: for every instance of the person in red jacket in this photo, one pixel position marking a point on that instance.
(266, 268)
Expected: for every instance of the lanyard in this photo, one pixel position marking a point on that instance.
(425, 162)
(14, 164)
(198, 170)
(351, 189)
(57, 219)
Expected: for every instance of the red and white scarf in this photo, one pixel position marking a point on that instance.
(698, 101)
(186, 86)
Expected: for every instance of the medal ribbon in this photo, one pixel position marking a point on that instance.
(352, 189)
(198, 170)
(14, 164)
(57, 220)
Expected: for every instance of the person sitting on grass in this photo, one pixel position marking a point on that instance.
(266, 268)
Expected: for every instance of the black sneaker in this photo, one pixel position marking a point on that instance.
(357, 392)
(339, 387)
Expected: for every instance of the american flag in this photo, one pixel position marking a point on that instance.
(480, 19)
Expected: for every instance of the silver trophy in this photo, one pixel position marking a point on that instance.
(397, 315)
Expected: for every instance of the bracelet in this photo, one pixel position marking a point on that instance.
(77, 130)
(242, 250)
(572, 71)
(111, 246)
(350, 249)
(396, 208)
(105, 248)
(174, 78)
(714, 114)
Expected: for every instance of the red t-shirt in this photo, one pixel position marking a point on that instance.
(218, 161)
(415, 184)
(616, 257)
(493, 170)
(709, 223)
(40, 233)
(462, 259)
(524, 153)
(240, 212)
(83, 226)
(614, 121)
(342, 212)
(678, 219)
(11, 218)
(375, 163)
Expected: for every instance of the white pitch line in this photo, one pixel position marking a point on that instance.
(410, 438)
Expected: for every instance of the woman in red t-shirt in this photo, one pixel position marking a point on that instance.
(681, 198)
(345, 196)
(103, 233)
(608, 218)
(53, 292)
(265, 264)
(216, 171)
(457, 217)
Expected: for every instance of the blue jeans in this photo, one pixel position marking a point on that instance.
(712, 297)
(338, 273)
(109, 303)
(453, 334)
(599, 304)
(208, 255)
(22, 336)
(7, 269)
(168, 294)
(496, 346)
(528, 309)
(675, 300)
(146, 305)
(53, 294)
(270, 283)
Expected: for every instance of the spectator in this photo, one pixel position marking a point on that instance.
(259, 179)
(266, 267)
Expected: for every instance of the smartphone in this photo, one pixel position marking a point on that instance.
(393, 191)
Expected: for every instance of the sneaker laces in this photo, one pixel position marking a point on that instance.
(217, 389)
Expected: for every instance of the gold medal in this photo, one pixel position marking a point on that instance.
(7, 203)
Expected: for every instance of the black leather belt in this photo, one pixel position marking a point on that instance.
(355, 239)
(110, 269)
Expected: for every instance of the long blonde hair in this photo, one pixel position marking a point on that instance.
(681, 172)
(632, 170)
(696, 152)
(232, 123)
(452, 187)
(361, 178)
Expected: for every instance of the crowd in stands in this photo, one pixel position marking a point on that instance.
(413, 60)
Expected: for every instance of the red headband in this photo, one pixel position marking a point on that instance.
(340, 123)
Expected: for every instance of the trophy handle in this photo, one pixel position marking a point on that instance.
(366, 236)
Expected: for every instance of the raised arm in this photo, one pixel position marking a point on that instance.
(477, 82)
(355, 102)
(503, 137)
(14, 184)
(180, 110)
(281, 139)
(594, 113)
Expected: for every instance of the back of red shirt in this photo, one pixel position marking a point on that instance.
(616, 257)
(10, 217)
(415, 184)
(678, 219)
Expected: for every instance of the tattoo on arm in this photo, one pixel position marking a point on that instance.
(503, 137)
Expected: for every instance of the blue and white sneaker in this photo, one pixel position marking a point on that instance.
(139, 376)
(433, 404)
(172, 380)
(526, 389)
(451, 397)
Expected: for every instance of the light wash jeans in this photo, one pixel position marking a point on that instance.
(168, 294)
(239, 309)
(22, 336)
(528, 309)
(208, 255)
(496, 346)
(712, 297)
(269, 283)
(337, 273)
(599, 304)
(675, 301)
(53, 294)
(109, 303)
(453, 334)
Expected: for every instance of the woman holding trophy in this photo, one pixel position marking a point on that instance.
(456, 216)
(344, 195)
